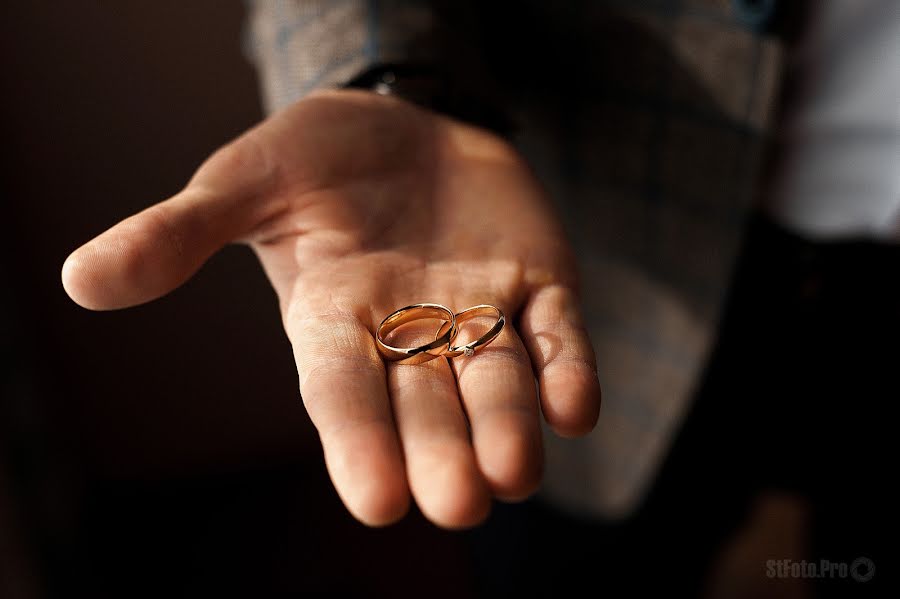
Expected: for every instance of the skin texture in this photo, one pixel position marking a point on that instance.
(357, 204)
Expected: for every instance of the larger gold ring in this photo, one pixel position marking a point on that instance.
(469, 348)
(423, 353)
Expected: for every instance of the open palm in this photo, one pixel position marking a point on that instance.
(356, 205)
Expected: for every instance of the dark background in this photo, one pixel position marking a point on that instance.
(162, 450)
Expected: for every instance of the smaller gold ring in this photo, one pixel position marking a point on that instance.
(469, 348)
(423, 353)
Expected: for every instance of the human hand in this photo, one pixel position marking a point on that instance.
(357, 204)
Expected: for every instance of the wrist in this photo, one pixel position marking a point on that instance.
(433, 88)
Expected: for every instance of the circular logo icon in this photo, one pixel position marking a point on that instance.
(862, 569)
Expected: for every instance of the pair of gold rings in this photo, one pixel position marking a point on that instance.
(442, 345)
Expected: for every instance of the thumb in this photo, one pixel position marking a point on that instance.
(153, 252)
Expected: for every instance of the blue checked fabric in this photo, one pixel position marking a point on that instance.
(654, 167)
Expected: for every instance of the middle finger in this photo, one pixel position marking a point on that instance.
(497, 388)
(441, 468)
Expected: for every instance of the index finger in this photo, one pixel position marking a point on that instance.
(344, 389)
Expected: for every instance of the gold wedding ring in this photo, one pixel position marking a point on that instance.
(469, 348)
(423, 353)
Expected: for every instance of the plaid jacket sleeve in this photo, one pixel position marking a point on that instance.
(302, 45)
(646, 120)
